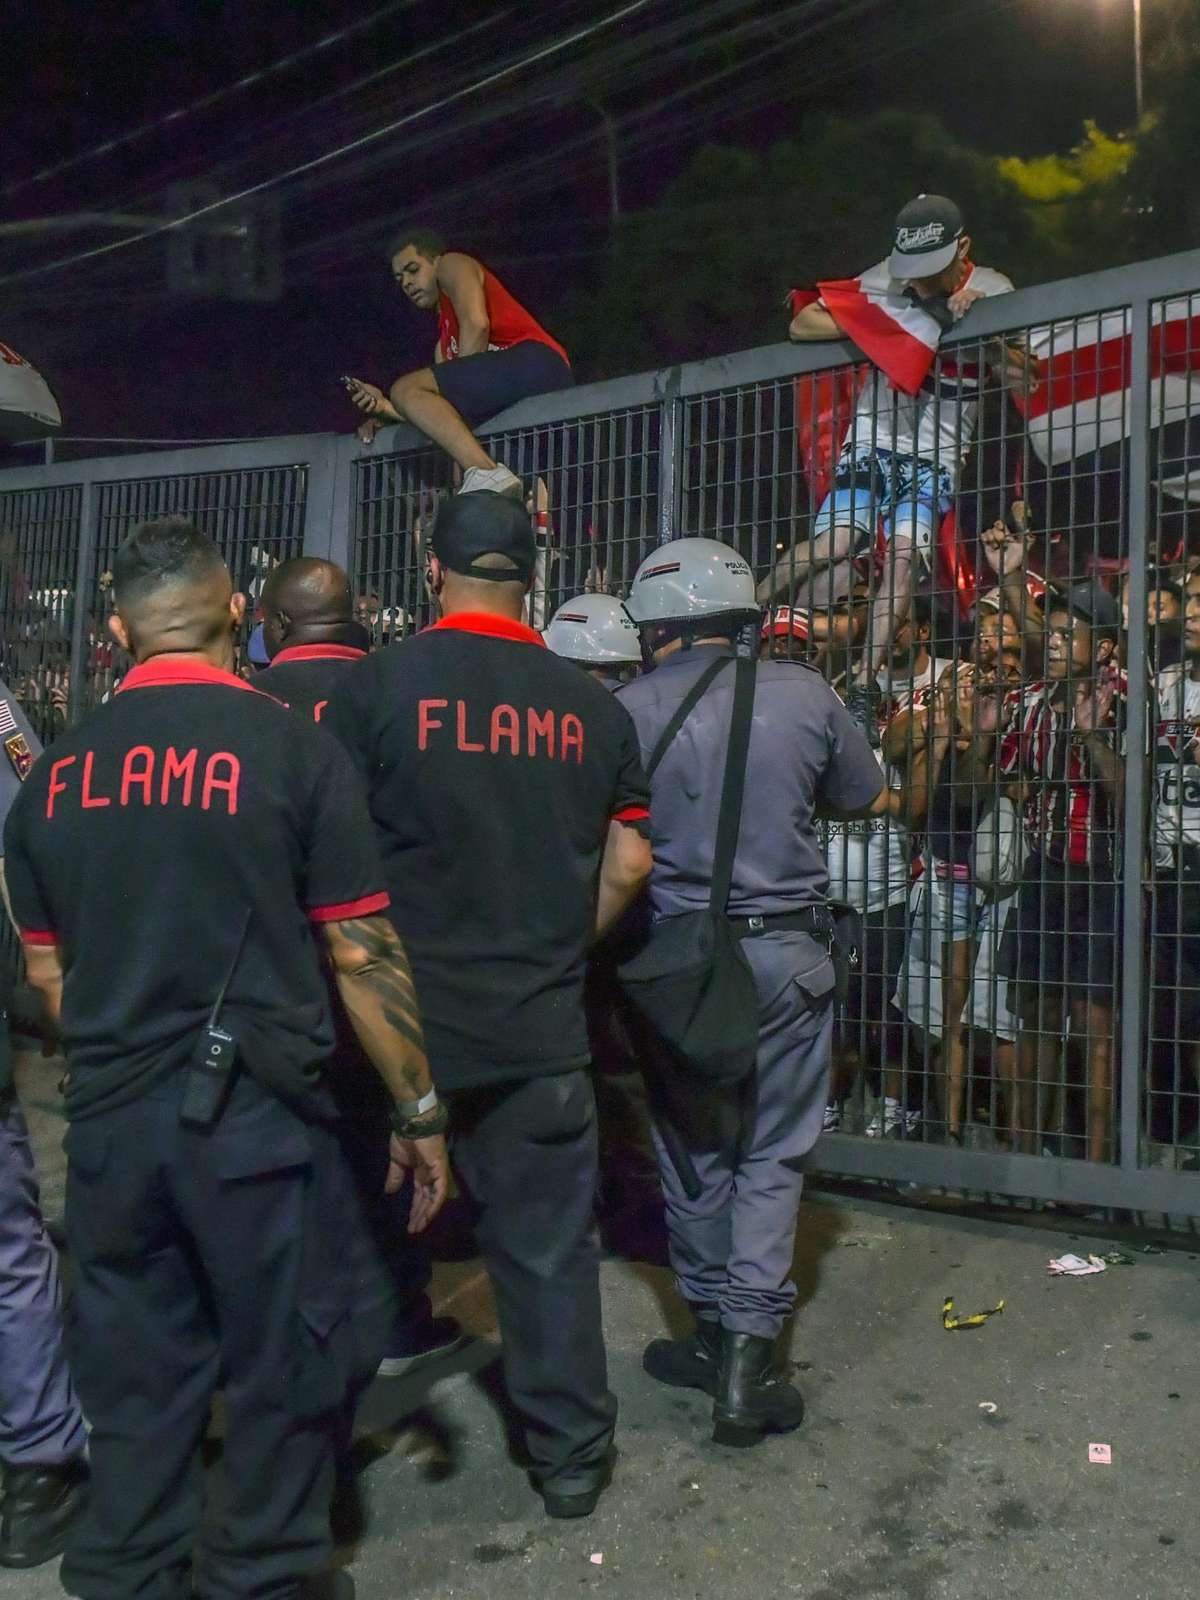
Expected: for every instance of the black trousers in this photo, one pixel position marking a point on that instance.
(525, 1155)
(229, 1258)
(396, 1299)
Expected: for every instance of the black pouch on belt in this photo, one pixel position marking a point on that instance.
(844, 946)
(690, 979)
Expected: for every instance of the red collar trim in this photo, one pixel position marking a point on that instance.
(317, 652)
(492, 627)
(169, 669)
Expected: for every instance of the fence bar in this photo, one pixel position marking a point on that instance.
(79, 606)
(1134, 961)
(1001, 1173)
(670, 477)
(328, 505)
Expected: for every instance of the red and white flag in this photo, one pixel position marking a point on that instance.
(27, 408)
(1083, 403)
(895, 333)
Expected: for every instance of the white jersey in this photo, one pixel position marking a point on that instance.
(870, 858)
(1176, 764)
(938, 423)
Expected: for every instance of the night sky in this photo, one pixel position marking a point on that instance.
(516, 173)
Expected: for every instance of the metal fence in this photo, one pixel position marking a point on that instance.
(1024, 1016)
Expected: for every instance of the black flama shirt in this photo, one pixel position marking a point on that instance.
(494, 769)
(139, 843)
(304, 676)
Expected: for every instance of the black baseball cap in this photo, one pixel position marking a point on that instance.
(483, 523)
(1089, 600)
(926, 238)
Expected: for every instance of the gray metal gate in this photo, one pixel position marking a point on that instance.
(1106, 452)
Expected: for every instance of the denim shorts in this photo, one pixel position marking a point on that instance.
(942, 911)
(907, 494)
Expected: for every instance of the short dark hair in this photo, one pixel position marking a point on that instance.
(167, 549)
(425, 240)
(1161, 580)
(924, 612)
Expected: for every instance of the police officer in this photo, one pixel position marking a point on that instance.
(596, 633)
(175, 864)
(42, 1438)
(731, 1245)
(312, 640)
(509, 799)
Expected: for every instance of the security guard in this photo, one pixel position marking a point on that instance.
(310, 634)
(312, 640)
(596, 633)
(508, 795)
(732, 1245)
(172, 862)
(42, 1438)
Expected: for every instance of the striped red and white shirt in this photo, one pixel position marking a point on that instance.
(1068, 813)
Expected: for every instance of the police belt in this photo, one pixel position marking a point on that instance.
(816, 921)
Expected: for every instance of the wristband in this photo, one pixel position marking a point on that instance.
(417, 1108)
(419, 1128)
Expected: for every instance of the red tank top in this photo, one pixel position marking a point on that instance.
(508, 321)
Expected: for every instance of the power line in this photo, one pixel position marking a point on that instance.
(623, 56)
(332, 155)
(636, 123)
(284, 64)
(278, 125)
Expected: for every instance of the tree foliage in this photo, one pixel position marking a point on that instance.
(706, 270)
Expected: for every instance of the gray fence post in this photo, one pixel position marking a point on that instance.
(670, 456)
(1133, 963)
(327, 511)
(88, 530)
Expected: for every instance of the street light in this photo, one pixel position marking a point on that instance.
(1137, 58)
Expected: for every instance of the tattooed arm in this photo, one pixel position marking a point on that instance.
(376, 986)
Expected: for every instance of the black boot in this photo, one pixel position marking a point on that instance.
(689, 1363)
(752, 1398)
(38, 1508)
(335, 1585)
(576, 1502)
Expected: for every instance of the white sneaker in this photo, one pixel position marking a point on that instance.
(887, 1125)
(498, 479)
(833, 1118)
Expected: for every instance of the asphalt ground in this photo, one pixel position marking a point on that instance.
(932, 1464)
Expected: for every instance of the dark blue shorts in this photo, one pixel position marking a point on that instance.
(1066, 932)
(479, 387)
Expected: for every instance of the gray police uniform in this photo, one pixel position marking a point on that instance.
(40, 1420)
(732, 1246)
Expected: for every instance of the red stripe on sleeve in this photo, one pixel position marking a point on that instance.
(631, 814)
(366, 907)
(38, 936)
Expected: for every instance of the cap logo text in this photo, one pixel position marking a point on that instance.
(930, 233)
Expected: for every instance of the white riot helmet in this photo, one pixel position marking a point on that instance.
(692, 580)
(595, 630)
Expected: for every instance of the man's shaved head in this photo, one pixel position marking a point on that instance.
(173, 593)
(306, 601)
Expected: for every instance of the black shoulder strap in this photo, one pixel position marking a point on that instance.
(733, 784)
(683, 711)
